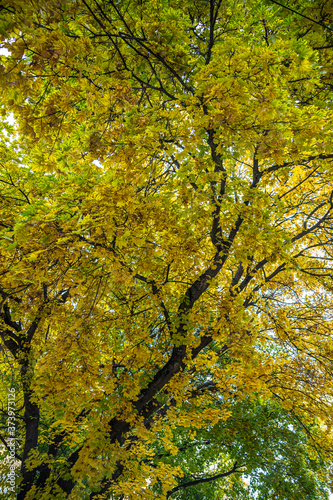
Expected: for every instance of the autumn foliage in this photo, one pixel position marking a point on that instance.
(166, 202)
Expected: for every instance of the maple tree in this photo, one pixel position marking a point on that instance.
(166, 247)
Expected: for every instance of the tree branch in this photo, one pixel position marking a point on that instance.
(206, 479)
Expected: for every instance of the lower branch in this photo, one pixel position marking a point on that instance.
(206, 479)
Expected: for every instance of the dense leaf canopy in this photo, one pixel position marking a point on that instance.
(166, 196)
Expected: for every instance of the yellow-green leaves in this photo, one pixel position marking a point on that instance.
(165, 246)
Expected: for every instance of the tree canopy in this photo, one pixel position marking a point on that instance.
(166, 194)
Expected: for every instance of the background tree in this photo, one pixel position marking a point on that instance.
(166, 247)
